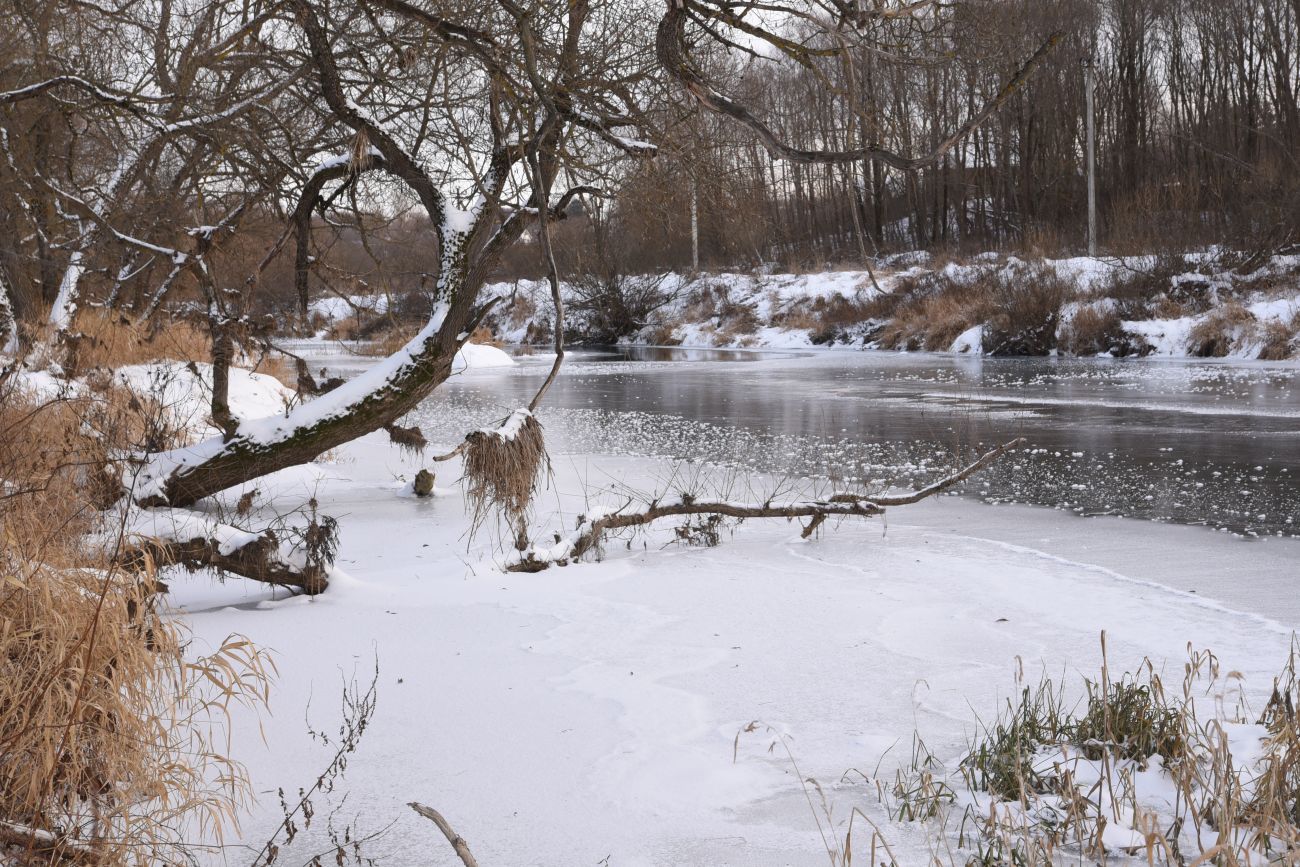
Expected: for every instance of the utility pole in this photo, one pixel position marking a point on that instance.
(1089, 85)
(695, 227)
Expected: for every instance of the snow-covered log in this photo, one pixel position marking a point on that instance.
(176, 537)
(46, 846)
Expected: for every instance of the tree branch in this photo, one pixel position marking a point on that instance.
(591, 528)
(457, 842)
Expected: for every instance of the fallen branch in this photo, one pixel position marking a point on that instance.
(591, 529)
(46, 846)
(457, 842)
(175, 537)
(953, 480)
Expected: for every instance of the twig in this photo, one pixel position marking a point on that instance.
(457, 842)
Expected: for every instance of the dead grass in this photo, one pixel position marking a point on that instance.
(109, 737)
(280, 367)
(503, 467)
(1218, 334)
(1091, 331)
(928, 311)
(1281, 340)
(112, 341)
(1054, 775)
(736, 319)
(483, 336)
(388, 342)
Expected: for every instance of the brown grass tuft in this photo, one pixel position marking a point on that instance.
(503, 467)
(280, 367)
(1281, 340)
(483, 336)
(1222, 331)
(388, 342)
(109, 340)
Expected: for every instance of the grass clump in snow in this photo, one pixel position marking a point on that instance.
(1227, 329)
(1133, 773)
(113, 737)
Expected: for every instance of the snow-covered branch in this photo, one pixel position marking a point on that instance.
(193, 540)
(103, 94)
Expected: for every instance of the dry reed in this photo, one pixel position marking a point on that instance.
(503, 467)
(112, 745)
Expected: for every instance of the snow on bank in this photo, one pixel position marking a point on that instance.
(184, 390)
(836, 309)
(476, 356)
(592, 712)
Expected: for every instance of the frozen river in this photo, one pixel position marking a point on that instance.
(592, 714)
(1197, 443)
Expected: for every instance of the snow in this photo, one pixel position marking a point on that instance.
(475, 356)
(185, 391)
(335, 309)
(1168, 337)
(971, 340)
(593, 711)
(65, 303)
(182, 525)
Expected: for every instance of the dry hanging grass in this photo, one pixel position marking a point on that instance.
(108, 742)
(503, 466)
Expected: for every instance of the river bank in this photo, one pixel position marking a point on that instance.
(1195, 305)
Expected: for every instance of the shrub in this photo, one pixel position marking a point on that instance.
(1281, 340)
(1027, 306)
(928, 310)
(1222, 331)
(606, 307)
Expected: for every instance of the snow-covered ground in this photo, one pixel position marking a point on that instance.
(589, 714)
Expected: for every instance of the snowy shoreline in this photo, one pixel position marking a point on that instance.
(1136, 306)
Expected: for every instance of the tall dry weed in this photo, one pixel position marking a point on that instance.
(113, 732)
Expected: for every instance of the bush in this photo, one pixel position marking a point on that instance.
(1222, 331)
(1027, 307)
(604, 308)
(1281, 340)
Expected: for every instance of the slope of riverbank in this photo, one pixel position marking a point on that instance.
(1184, 306)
